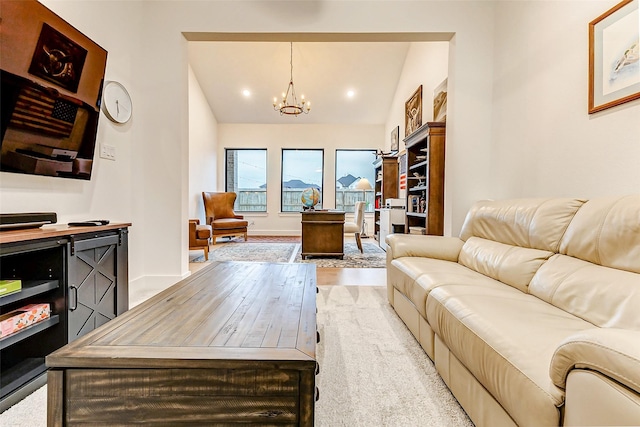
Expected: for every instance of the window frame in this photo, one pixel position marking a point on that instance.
(282, 151)
(369, 207)
(266, 168)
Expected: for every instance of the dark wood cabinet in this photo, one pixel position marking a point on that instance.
(386, 174)
(322, 233)
(425, 179)
(48, 263)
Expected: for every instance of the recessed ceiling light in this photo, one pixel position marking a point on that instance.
(351, 93)
(246, 93)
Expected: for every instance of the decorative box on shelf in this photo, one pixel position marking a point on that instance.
(23, 317)
(10, 286)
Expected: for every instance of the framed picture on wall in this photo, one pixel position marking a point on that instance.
(413, 112)
(440, 102)
(395, 138)
(58, 59)
(614, 66)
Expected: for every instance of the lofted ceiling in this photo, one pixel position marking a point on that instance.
(323, 71)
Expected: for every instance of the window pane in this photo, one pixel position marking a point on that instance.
(246, 175)
(354, 169)
(300, 169)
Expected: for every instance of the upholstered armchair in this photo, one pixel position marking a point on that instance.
(219, 214)
(357, 224)
(199, 236)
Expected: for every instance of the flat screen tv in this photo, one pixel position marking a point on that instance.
(52, 78)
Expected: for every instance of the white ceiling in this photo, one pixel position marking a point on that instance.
(322, 71)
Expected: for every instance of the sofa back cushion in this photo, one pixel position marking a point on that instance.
(528, 223)
(509, 264)
(606, 297)
(606, 231)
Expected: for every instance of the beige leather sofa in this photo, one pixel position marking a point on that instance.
(532, 315)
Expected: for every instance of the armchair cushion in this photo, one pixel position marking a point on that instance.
(229, 223)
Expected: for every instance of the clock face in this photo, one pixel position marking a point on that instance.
(116, 102)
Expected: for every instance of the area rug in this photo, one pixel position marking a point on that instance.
(373, 257)
(372, 371)
(241, 251)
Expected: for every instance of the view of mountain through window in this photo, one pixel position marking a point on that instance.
(301, 169)
(246, 175)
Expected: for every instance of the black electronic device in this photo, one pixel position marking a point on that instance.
(90, 223)
(26, 220)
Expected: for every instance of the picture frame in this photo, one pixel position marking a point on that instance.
(440, 102)
(58, 59)
(614, 71)
(413, 112)
(395, 139)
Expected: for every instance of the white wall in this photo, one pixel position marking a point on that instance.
(203, 144)
(274, 138)
(544, 143)
(427, 64)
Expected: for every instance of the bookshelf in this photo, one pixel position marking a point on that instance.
(425, 179)
(386, 186)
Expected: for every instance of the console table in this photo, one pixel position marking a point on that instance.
(81, 272)
(322, 233)
(232, 343)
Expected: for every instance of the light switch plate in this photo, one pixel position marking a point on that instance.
(107, 151)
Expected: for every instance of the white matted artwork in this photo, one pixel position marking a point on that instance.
(614, 56)
(440, 102)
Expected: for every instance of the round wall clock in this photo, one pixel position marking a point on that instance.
(116, 102)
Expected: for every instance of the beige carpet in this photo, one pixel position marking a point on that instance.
(372, 370)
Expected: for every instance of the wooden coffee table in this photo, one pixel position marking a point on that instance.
(235, 342)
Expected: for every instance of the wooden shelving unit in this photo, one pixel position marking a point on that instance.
(386, 186)
(425, 179)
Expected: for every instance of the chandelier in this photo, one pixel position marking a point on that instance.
(289, 104)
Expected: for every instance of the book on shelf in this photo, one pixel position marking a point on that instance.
(10, 286)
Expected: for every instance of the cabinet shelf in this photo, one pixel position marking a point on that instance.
(29, 331)
(30, 288)
(418, 188)
(417, 214)
(23, 372)
(418, 165)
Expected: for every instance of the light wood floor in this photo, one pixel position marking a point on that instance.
(337, 276)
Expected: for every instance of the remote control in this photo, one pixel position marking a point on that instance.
(91, 223)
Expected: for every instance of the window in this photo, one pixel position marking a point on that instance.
(354, 169)
(300, 169)
(246, 175)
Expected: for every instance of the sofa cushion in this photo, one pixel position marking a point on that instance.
(606, 231)
(506, 339)
(604, 296)
(529, 223)
(421, 275)
(509, 264)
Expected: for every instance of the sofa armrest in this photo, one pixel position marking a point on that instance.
(238, 216)
(439, 247)
(614, 353)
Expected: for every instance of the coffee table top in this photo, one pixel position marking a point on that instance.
(224, 313)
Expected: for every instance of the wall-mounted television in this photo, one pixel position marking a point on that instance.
(51, 89)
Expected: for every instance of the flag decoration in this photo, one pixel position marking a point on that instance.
(40, 112)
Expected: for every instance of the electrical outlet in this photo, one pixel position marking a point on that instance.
(107, 152)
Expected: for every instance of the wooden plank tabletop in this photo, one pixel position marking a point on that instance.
(225, 312)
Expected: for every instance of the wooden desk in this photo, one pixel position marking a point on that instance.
(234, 342)
(322, 233)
